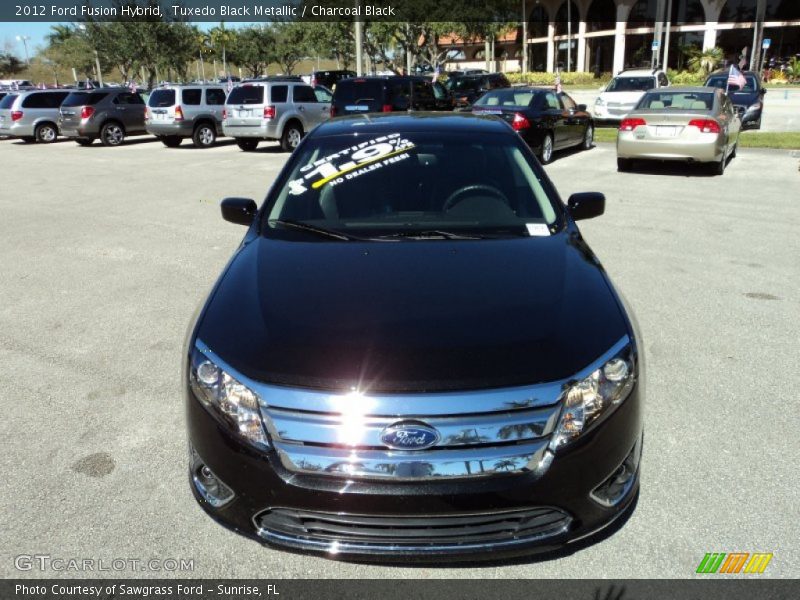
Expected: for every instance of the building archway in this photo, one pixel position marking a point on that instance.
(567, 21)
(601, 16)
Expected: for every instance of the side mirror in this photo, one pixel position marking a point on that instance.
(241, 211)
(582, 107)
(762, 91)
(586, 205)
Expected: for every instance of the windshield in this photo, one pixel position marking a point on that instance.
(721, 82)
(246, 94)
(466, 84)
(409, 186)
(677, 101)
(83, 99)
(631, 84)
(8, 100)
(506, 97)
(161, 98)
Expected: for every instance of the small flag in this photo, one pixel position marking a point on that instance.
(558, 83)
(132, 86)
(735, 77)
(437, 71)
(15, 86)
(88, 85)
(230, 84)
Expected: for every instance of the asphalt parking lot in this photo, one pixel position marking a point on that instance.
(106, 253)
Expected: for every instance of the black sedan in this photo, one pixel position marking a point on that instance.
(547, 120)
(414, 354)
(747, 100)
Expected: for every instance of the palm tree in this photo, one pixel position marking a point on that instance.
(793, 69)
(706, 61)
(59, 34)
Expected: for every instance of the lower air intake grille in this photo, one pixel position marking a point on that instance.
(449, 530)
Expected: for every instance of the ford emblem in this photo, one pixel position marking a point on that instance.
(408, 435)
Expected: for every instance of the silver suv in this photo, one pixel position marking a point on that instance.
(280, 109)
(110, 114)
(32, 116)
(176, 112)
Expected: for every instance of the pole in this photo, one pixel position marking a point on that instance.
(99, 72)
(569, 35)
(524, 65)
(203, 66)
(359, 25)
(665, 62)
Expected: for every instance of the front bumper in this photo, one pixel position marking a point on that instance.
(273, 504)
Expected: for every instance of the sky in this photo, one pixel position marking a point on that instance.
(38, 31)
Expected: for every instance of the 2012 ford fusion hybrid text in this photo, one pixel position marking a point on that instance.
(414, 353)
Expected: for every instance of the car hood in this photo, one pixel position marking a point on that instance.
(413, 315)
(622, 97)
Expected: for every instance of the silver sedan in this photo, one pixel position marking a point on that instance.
(693, 124)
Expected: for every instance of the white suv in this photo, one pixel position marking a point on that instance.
(623, 93)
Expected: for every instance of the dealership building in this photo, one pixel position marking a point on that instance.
(609, 35)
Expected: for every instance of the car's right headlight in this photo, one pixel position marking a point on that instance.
(595, 396)
(231, 401)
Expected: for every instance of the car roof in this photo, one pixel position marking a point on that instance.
(639, 73)
(685, 88)
(171, 86)
(724, 72)
(385, 78)
(405, 122)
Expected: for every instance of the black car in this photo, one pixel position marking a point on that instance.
(547, 120)
(389, 93)
(468, 88)
(413, 354)
(330, 79)
(748, 100)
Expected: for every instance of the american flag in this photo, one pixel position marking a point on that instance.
(88, 85)
(437, 71)
(735, 77)
(132, 86)
(230, 84)
(558, 83)
(15, 86)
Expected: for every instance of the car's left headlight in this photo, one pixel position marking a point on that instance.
(754, 107)
(595, 396)
(231, 401)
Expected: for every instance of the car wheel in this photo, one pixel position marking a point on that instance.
(85, 141)
(246, 144)
(112, 134)
(588, 137)
(292, 134)
(204, 136)
(171, 141)
(547, 149)
(719, 167)
(624, 164)
(46, 133)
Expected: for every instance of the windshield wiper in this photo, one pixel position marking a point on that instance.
(337, 235)
(428, 234)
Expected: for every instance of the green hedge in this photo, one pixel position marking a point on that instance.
(567, 78)
(685, 78)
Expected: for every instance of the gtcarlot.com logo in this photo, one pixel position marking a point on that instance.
(734, 562)
(46, 562)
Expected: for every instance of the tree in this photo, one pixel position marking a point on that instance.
(254, 49)
(706, 61)
(334, 41)
(10, 64)
(223, 41)
(291, 45)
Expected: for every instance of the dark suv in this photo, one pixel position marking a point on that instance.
(330, 79)
(386, 94)
(468, 88)
(748, 100)
(110, 114)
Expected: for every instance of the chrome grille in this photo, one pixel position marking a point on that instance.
(417, 530)
(480, 433)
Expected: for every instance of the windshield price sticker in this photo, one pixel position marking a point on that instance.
(537, 229)
(351, 162)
